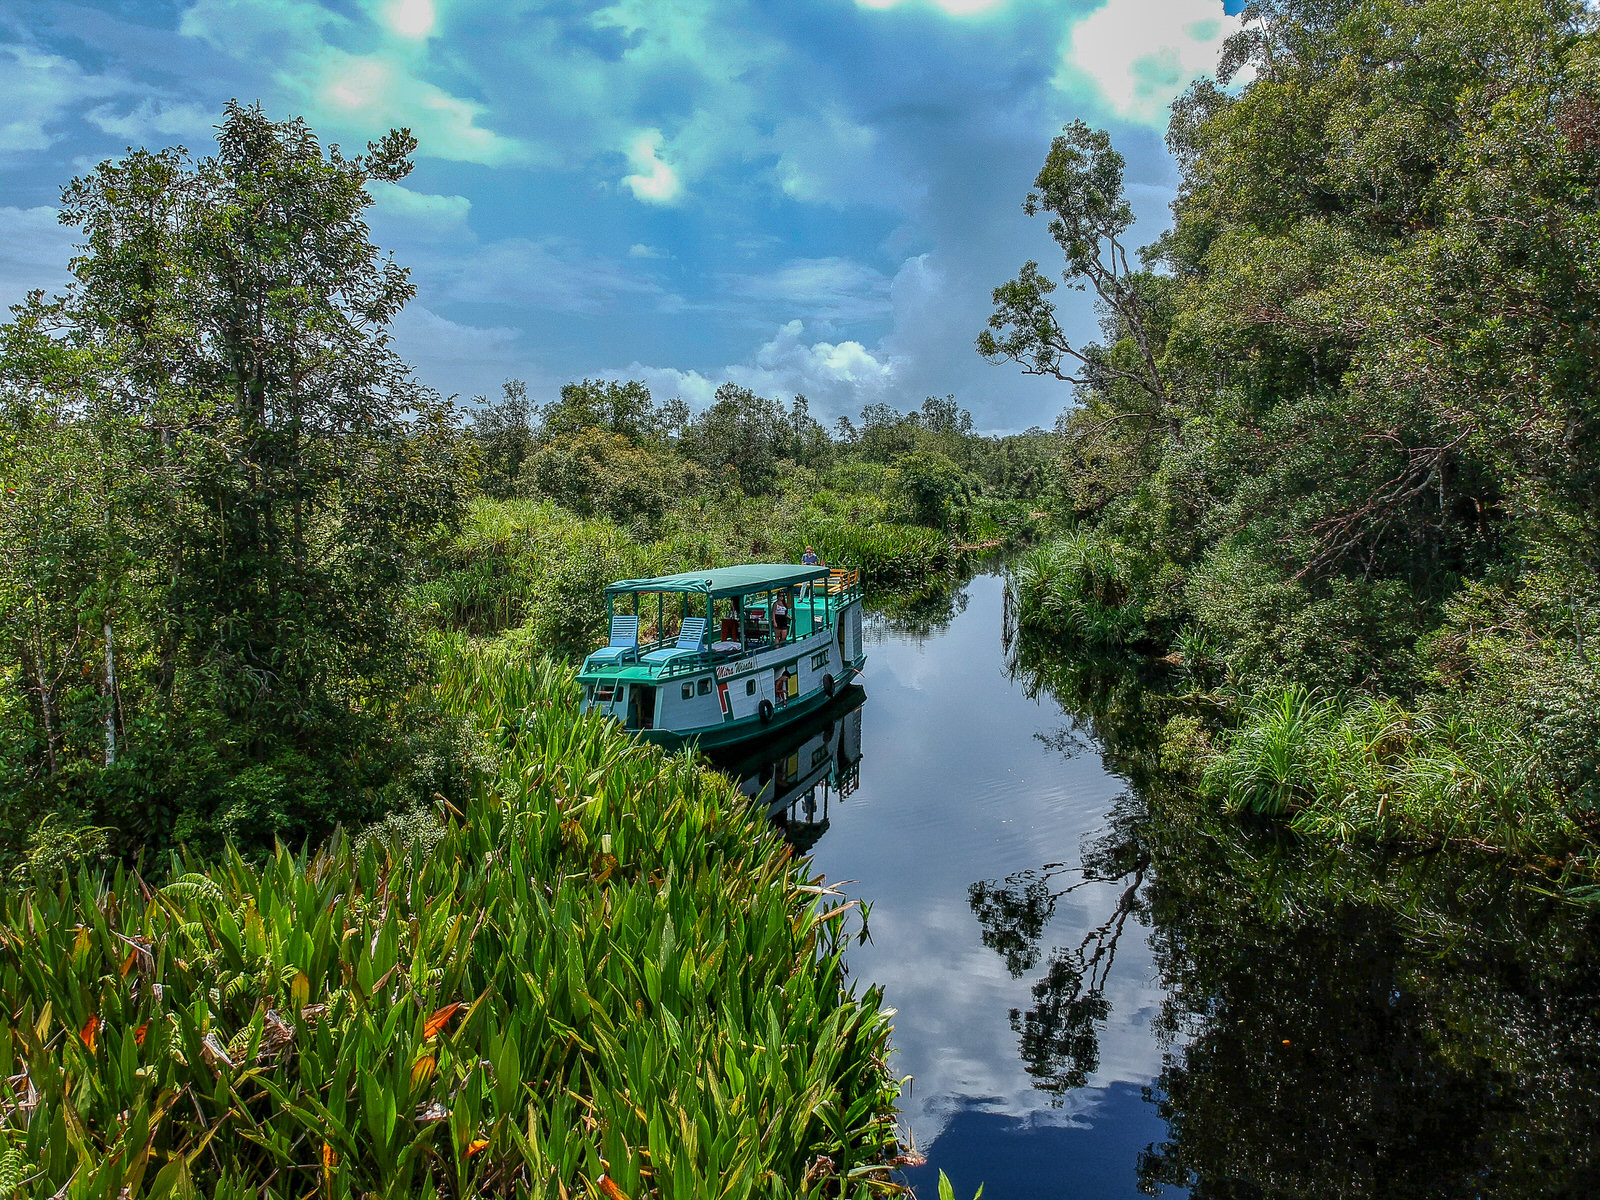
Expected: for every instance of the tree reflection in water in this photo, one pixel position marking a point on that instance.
(1338, 1023)
(1058, 1033)
(918, 616)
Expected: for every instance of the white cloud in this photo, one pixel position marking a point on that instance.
(713, 67)
(653, 180)
(410, 18)
(828, 289)
(373, 93)
(820, 367)
(640, 250)
(837, 377)
(666, 382)
(1141, 54)
(152, 119)
(440, 213)
(38, 90)
(351, 94)
(34, 250)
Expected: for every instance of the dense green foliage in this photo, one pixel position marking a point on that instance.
(603, 965)
(609, 485)
(1342, 1020)
(550, 953)
(231, 514)
(607, 449)
(532, 566)
(1339, 436)
(217, 474)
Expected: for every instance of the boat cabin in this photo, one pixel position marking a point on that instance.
(715, 656)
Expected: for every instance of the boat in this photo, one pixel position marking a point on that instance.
(704, 657)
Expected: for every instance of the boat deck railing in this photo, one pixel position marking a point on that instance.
(844, 583)
(842, 586)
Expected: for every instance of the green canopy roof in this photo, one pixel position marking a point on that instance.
(724, 581)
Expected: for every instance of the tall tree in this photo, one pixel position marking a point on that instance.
(236, 316)
(504, 434)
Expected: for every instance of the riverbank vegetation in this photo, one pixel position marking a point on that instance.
(216, 474)
(1334, 454)
(308, 890)
(318, 880)
(598, 968)
(604, 484)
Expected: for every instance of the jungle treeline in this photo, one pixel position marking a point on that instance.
(236, 524)
(1335, 454)
(317, 878)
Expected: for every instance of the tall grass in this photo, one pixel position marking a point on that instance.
(1369, 768)
(1079, 588)
(605, 967)
(888, 555)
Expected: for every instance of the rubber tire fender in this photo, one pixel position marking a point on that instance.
(827, 685)
(764, 711)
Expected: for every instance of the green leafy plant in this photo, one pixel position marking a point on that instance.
(605, 965)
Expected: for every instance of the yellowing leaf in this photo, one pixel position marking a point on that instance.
(609, 1188)
(477, 1145)
(90, 1028)
(422, 1070)
(300, 990)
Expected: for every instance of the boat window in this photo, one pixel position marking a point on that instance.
(605, 692)
(705, 687)
(588, 693)
(818, 661)
(688, 691)
(749, 687)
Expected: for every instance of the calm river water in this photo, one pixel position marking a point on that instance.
(1103, 991)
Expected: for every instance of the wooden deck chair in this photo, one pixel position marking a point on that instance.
(691, 636)
(624, 642)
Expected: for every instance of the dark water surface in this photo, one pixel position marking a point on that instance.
(1104, 990)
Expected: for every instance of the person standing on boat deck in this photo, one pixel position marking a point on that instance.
(810, 559)
(780, 619)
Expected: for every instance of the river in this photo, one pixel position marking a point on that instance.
(1105, 990)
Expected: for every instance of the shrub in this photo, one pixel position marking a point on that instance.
(1370, 768)
(1078, 587)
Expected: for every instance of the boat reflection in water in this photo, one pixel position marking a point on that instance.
(800, 773)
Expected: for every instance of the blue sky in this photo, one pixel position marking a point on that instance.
(798, 195)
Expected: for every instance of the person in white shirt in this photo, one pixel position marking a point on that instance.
(780, 619)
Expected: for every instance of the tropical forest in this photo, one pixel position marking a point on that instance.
(1212, 808)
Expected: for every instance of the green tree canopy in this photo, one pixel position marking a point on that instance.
(225, 328)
